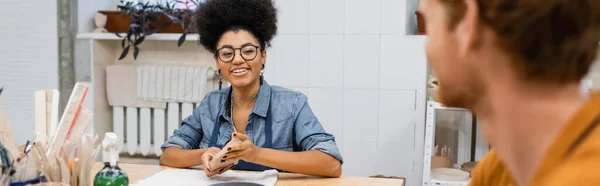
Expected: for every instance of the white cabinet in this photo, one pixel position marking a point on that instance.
(453, 128)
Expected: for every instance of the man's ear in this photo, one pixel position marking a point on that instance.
(468, 29)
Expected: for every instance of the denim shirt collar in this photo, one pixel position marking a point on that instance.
(260, 107)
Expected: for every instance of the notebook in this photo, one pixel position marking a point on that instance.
(181, 177)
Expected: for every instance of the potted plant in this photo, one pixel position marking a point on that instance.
(142, 16)
(139, 20)
(184, 17)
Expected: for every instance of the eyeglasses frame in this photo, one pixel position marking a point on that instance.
(258, 50)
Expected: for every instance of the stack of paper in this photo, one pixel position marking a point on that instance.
(180, 177)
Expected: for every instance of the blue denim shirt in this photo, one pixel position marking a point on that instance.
(295, 127)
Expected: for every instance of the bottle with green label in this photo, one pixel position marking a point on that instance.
(111, 174)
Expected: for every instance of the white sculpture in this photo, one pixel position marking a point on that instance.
(432, 87)
(100, 20)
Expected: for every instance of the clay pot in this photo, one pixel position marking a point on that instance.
(118, 23)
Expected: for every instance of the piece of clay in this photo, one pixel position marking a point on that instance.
(216, 163)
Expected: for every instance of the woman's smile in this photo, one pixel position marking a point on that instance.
(239, 71)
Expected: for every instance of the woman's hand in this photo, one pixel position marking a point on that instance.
(244, 150)
(207, 157)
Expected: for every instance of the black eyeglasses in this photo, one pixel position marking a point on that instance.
(227, 53)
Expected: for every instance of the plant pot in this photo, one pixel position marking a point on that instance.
(118, 23)
(420, 23)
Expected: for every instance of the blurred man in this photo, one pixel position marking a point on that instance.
(517, 64)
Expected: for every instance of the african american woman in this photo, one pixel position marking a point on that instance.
(276, 126)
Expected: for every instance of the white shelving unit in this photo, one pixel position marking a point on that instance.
(464, 143)
(154, 37)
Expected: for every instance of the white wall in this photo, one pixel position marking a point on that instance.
(29, 59)
(86, 10)
(362, 75)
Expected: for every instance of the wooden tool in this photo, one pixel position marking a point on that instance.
(46, 114)
(85, 116)
(44, 165)
(85, 158)
(69, 118)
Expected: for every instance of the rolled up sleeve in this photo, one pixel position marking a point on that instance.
(310, 134)
(188, 136)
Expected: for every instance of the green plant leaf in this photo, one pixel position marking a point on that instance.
(139, 40)
(154, 17)
(124, 53)
(151, 31)
(181, 39)
(136, 51)
(167, 24)
(123, 43)
(129, 34)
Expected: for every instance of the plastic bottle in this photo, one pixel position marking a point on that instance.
(111, 174)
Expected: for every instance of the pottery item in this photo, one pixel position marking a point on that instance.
(468, 166)
(450, 174)
(100, 20)
(443, 160)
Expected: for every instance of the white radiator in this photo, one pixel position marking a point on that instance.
(140, 118)
(144, 130)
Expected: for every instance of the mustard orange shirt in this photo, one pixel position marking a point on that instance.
(573, 158)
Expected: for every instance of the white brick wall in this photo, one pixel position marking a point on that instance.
(363, 77)
(28, 59)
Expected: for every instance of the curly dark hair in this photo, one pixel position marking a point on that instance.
(215, 17)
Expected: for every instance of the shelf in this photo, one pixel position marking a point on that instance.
(154, 37)
(439, 106)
